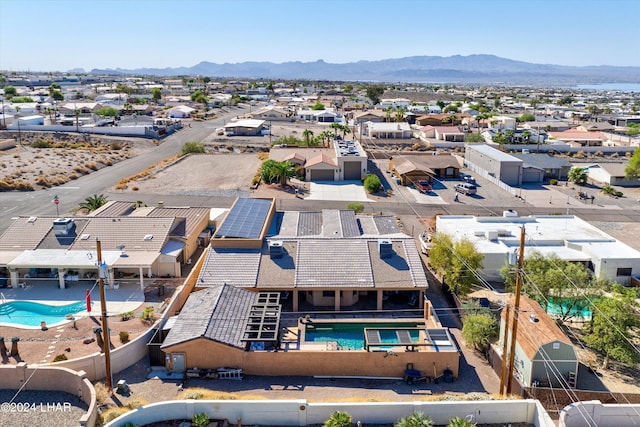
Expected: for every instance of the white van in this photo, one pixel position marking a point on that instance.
(466, 188)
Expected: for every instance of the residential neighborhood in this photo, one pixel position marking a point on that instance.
(319, 213)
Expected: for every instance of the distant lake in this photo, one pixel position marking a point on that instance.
(623, 87)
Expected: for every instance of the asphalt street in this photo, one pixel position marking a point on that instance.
(74, 192)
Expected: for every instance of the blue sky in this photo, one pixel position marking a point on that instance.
(42, 35)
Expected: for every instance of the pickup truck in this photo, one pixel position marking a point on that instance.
(423, 186)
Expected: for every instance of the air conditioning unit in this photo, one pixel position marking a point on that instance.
(385, 248)
(276, 250)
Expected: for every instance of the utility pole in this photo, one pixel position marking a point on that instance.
(516, 310)
(503, 370)
(102, 272)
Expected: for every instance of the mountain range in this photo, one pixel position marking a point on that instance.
(480, 69)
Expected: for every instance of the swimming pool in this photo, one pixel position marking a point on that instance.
(27, 313)
(350, 336)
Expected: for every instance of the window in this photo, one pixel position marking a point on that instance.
(328, 294)
(623, 272)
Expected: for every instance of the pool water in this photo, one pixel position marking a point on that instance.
(27, 313)
(351, 335)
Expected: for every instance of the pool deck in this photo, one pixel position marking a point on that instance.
(127, 298)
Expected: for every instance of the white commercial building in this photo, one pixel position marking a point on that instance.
(567, 236)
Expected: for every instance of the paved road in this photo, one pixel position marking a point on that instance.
(74, 192)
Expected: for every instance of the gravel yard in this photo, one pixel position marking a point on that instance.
(32, 408)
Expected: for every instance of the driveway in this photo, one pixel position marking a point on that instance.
(348, 191)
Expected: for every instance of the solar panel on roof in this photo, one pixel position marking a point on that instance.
(246, 219)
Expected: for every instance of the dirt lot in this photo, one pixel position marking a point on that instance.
(52, 160)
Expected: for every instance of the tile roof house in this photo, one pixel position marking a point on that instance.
(411, 168)
(154, 244)
(306, 256)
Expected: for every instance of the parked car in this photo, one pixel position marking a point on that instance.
(466, 188)
(469, 179)
(423, 186)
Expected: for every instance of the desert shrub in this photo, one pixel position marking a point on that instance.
(553, 182)
(122, 187)
(124, 337)
(136, 403)
(111, 414)
(41, 144)
(102, 394)
(24, 186)
(193, 147)
(579, 155)
(60, 358)
(356, 207)
(127, 316)
(135, 188)
(193, 395)
(73, 176)
(43, 182)
(147, 314)
(92, 166)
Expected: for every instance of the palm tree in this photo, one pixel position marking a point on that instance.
(326, 135)
(307, 134)
(416, 419)
(526, 135)
(339, 419)
(345, 130)
(399, 115)
(509, 134)
(336, 127)
(578, 175)
(92, 203)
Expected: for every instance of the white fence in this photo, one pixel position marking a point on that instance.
(302, 413)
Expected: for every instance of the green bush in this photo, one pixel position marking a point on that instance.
(124, 337)
(372, 184)
(200, 420)
(553, 182)
(193, 147)
(356, 207)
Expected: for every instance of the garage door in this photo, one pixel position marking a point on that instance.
(321, 174)
(352, 170)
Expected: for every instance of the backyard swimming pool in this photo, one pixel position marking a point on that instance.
(27, 313)
(351, 336)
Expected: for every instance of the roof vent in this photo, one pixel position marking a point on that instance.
(148, 237)
(85, 236)
(385, 248)
(276, 250)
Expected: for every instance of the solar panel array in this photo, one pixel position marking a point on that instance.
(246, 219)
